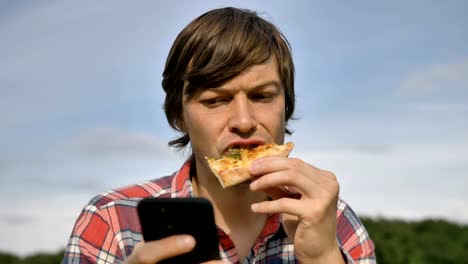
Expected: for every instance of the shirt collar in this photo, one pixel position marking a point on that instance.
(181, 184)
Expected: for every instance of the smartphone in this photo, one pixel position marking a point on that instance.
(163, 217)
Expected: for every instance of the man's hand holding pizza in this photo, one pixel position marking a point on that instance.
(306, 197)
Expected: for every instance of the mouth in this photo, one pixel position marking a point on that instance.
(245, 144)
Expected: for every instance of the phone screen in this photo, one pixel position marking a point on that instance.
(163, 217)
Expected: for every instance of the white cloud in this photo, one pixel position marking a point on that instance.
(435, 78)
(109, 142)
(51, 188)
(409, 181)
(96, 155)
(64, 59)
(41, 224)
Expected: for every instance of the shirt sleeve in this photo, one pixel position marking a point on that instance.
(92, 239)
(355, 242)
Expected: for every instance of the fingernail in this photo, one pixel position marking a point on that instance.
(185, 241)
(254, 207)
(253, 185)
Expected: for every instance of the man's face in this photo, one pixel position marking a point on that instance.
(247, 111)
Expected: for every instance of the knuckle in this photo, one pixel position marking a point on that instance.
(333, 181)
(140, 257)
(330, 175)
(287, 177)
(336, 186)
(295, 162)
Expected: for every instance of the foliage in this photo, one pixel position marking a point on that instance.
(39, 258)
(398, 242)
(428, 241)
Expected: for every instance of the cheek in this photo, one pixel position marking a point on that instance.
(190, 121)
(281, 125)
(273, 119)
(197, 123)
(281, 131)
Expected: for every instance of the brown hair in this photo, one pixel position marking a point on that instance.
(216, 47)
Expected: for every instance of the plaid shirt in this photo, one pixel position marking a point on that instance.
(108, 228)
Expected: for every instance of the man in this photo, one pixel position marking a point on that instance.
(229, 82)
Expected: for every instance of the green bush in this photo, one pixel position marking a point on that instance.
(428, 241)
(40, 258)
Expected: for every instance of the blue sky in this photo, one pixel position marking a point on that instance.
(382, 100)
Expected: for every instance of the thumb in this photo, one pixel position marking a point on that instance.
(155, 251)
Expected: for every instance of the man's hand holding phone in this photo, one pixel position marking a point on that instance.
(176, 230)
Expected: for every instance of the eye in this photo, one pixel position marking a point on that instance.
(262, 97)
(215, 101)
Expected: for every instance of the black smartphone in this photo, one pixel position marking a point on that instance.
(163, 217)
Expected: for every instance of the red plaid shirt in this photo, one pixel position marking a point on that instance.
(108, 228)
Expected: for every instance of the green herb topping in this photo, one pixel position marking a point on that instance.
(234, 153)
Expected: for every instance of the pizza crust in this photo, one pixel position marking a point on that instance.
(232, 171)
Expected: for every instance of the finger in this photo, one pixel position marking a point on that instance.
(289, 182)
(155, 251)
(282, 205)
(302, 178)
(267, 165)
(270, 164)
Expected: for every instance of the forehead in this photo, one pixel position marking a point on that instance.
(256, 76)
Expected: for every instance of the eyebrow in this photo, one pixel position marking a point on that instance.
(263, 85)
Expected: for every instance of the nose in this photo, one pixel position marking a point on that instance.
(242, 120)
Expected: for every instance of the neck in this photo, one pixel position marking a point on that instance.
(231, 205)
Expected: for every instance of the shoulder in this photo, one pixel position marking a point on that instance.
(108, 226)
(117, 208)
(352, 235)
(348, 221)
(131, 194)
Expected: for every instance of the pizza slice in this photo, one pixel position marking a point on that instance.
(233, 167)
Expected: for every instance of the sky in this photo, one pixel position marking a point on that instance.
(382, 102)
